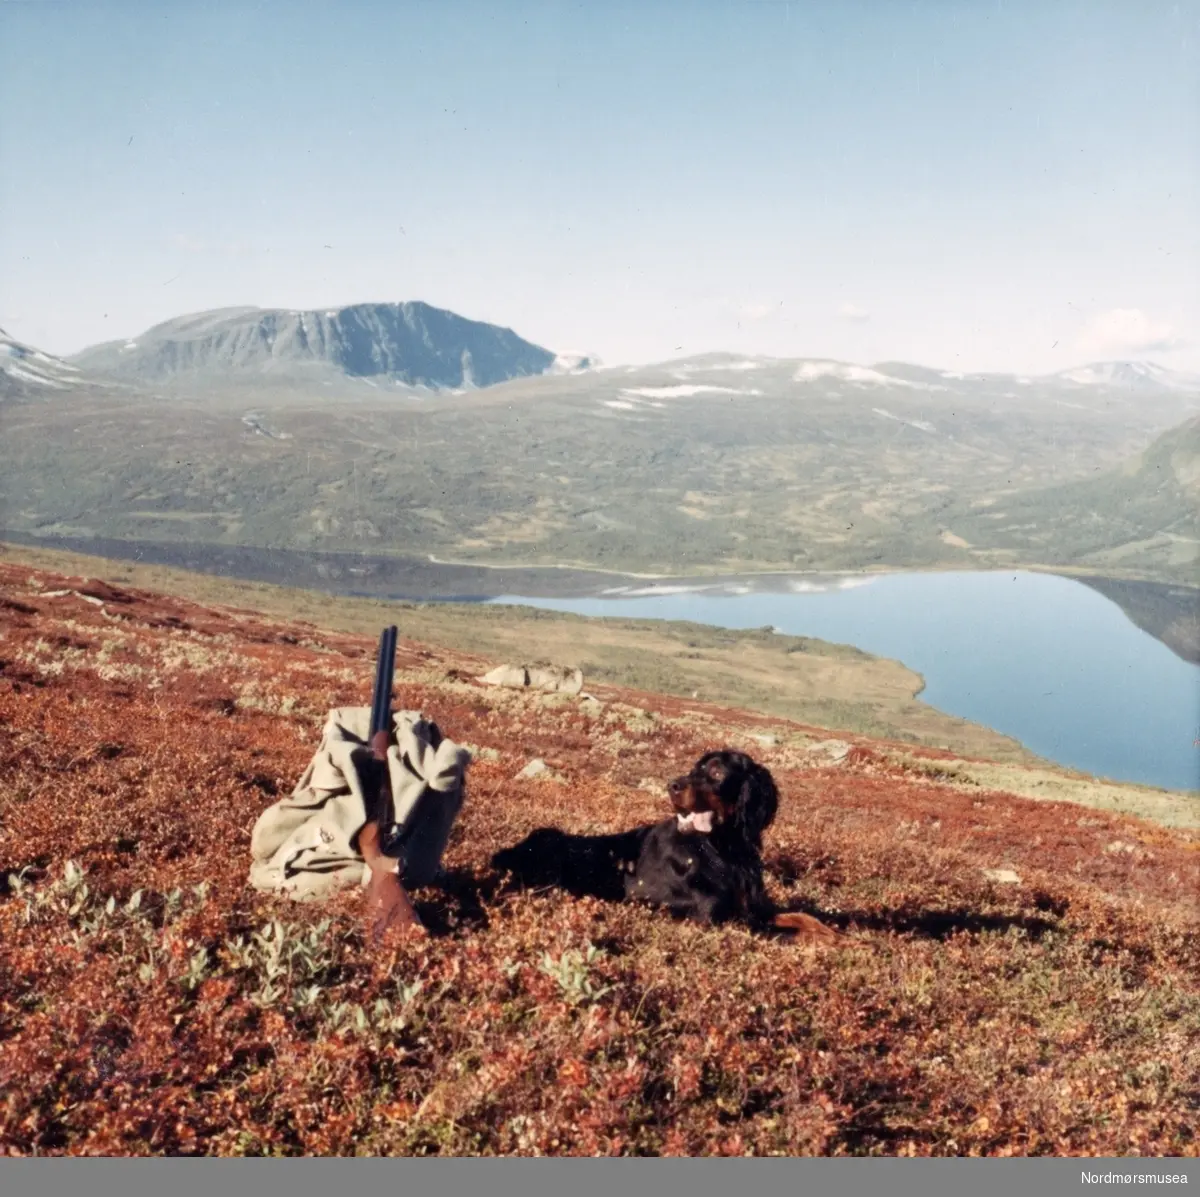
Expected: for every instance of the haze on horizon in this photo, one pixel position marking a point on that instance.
(973, 186)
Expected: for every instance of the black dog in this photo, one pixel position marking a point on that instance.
(703, 863)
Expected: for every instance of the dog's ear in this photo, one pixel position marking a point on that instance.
(757, 802)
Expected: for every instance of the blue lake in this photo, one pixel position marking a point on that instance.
(1039, 657)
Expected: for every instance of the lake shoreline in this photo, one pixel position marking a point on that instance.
(1050, 661)
(692, 601)
(759, 670)
(429, 578)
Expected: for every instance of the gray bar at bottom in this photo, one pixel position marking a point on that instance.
(595, 1178)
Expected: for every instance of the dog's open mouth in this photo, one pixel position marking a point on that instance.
(698, 820)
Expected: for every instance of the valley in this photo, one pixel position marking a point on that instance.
(698, 466)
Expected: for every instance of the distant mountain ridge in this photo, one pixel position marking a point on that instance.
(1113, 375)
(719, 460)
(409, 344)
(28, 371)
(1129, 374)
(414, 344)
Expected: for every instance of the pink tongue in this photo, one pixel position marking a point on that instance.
(697, 821)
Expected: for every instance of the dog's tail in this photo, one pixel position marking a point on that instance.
(803, 928)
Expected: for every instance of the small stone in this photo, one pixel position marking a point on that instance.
(482, 754)
(835, 750)
(554, 679)
(506, 675)
(1003, 876)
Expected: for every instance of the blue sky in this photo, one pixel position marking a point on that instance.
(982, 185)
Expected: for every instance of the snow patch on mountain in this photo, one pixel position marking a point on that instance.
(812, 371)
(922, 425)
(575, 363)
(23, 368)
(1119, 374)
(686, 391)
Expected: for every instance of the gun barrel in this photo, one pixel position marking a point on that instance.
(387, 903)
(385, 667)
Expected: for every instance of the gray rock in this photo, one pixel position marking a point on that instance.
(552, 679)
(1003, 876)
(507, 675)
(835, 750)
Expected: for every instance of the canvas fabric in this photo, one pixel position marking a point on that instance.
(306, 845)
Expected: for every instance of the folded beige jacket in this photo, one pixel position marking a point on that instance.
(306, 845)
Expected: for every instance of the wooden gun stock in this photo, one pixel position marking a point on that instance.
(388, 904)
(806, 929)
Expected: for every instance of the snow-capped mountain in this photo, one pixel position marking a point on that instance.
(574, 363)
(1129, 374)
(25, 370)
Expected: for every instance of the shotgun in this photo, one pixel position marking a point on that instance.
(387, 902)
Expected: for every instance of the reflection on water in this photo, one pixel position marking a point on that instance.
(1049, 661)
(1039, 657)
